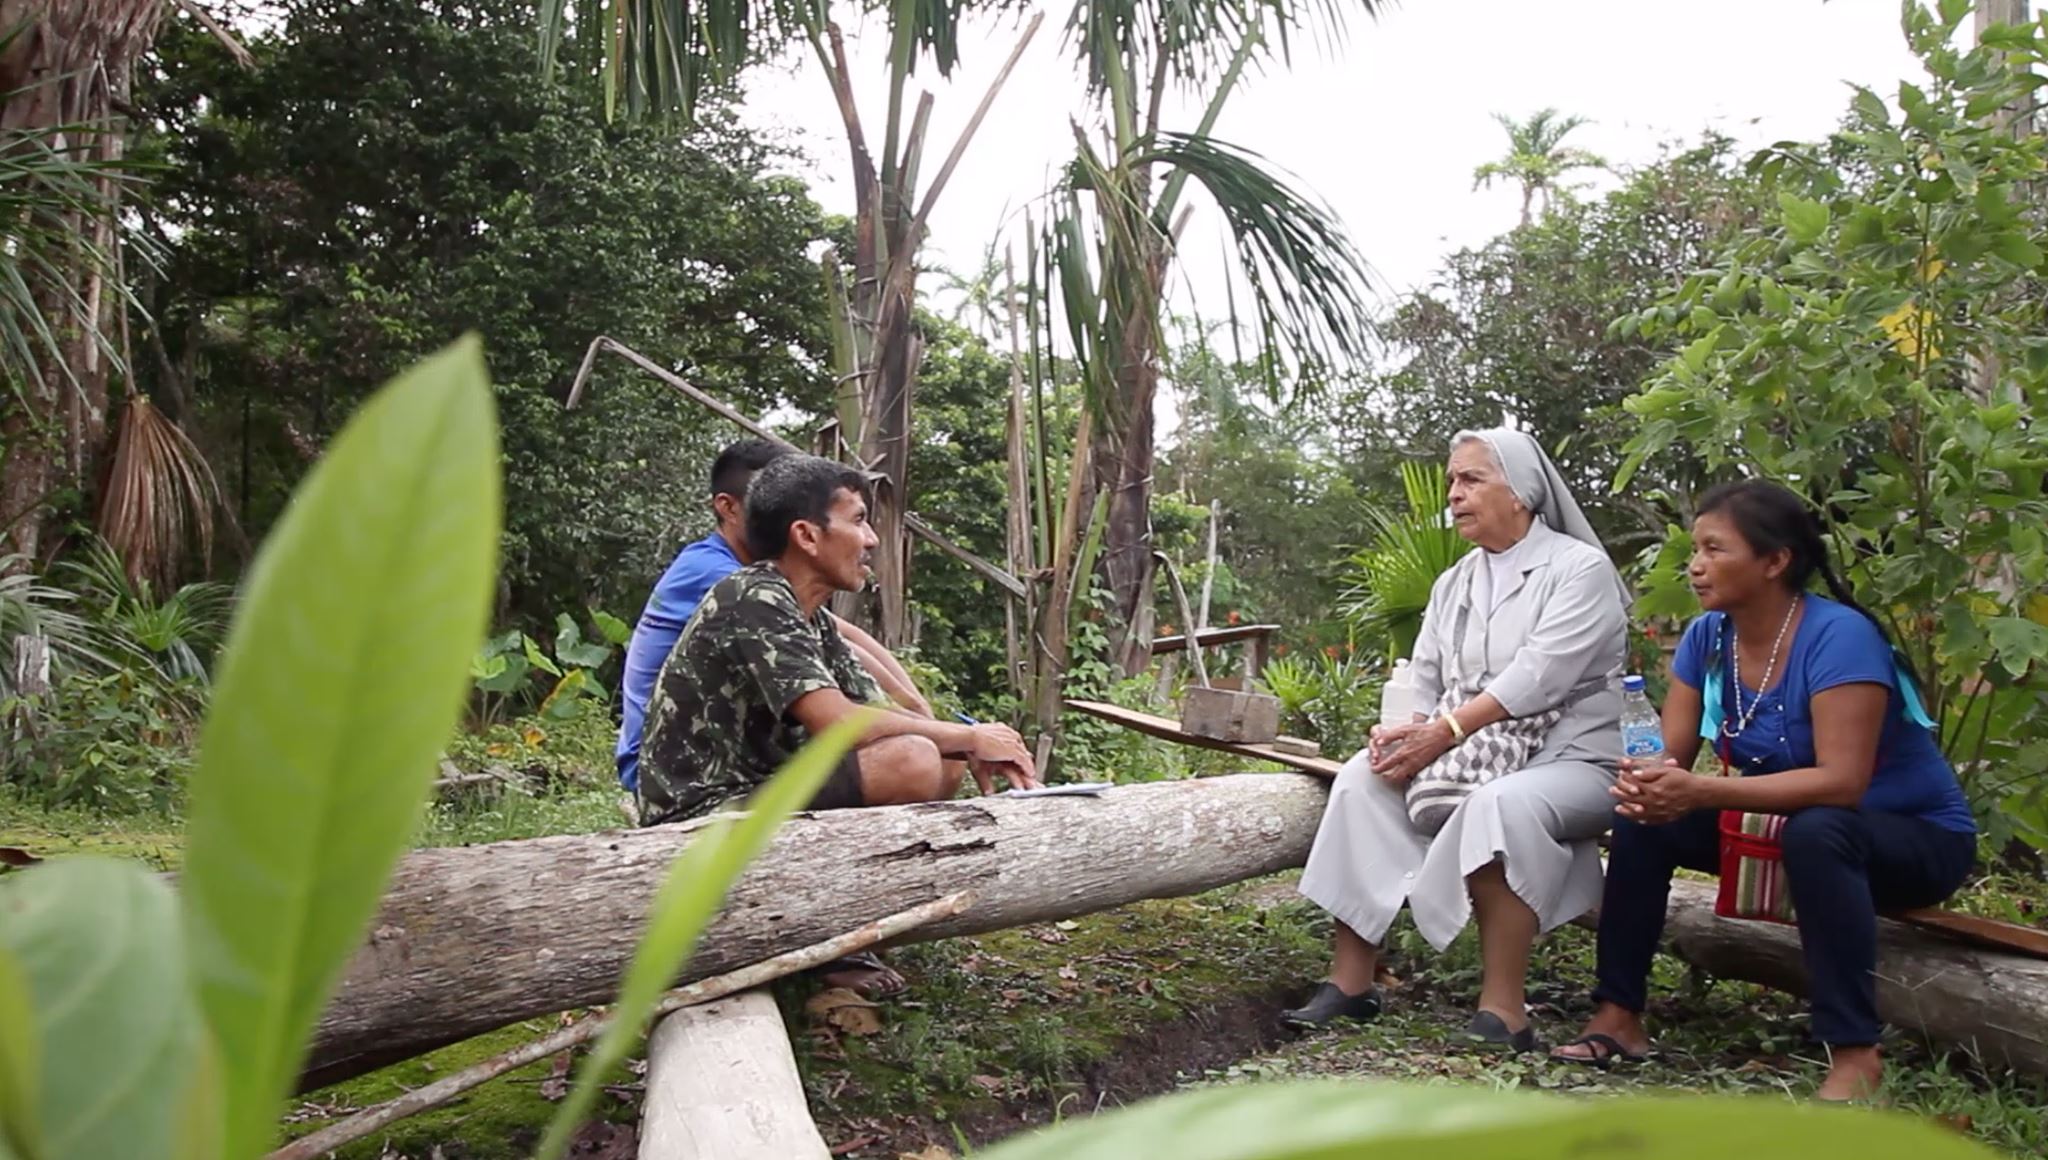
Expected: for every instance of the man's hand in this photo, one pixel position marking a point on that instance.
(1655, 792)
(1399, 752)
(999, 749)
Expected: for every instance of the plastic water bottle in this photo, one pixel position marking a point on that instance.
(1642, 732)
(1398, 696)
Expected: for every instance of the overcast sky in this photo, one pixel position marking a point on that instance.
(1388, 127)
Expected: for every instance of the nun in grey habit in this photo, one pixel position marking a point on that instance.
(1528, 634)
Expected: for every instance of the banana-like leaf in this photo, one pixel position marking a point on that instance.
(341, 680)
(1329, 1120)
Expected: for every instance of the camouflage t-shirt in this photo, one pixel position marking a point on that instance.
(718, 722)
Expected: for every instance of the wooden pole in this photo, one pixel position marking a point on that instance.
(722, 1084)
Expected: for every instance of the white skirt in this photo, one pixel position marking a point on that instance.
(1541, 822)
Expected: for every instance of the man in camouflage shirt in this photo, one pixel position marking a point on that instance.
(760, 670)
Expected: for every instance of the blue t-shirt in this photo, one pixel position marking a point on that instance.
(1834, 645)
(676, 596)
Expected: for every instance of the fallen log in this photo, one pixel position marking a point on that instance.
(722, 1084)
(474, 938)
(747, 978)
(1993, 1004)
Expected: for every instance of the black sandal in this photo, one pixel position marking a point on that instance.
(1608, 1047)
(1330, 1004)
(1492, 1030)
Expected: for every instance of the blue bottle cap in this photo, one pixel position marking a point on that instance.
(1631, 684)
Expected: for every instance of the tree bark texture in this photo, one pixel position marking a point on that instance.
(474, 938)
(67, 71)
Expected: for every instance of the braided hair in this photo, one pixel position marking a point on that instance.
(1770, 518)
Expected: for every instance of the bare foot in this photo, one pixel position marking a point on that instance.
(865, 975)
(1857, 1073)
(1612, 1031)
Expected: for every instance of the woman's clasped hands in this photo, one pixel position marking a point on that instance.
(1399, 752)
(1655, 791)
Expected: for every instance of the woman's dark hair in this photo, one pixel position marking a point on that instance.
(1772, 518)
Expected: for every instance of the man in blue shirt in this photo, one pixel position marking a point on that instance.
(693, 572)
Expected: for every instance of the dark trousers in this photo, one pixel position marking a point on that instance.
(1842, 866)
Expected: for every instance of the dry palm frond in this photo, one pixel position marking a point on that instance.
(160, 495)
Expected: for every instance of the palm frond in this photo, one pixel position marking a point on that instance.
(1310, 295)
(656, 59)
(53, 203)
(31, 608)
(160, 495)
(173, 636)
(1199, 37)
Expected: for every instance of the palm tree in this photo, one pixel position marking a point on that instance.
(66, 68)
(660, 57)
(1108, 243)
(1115, 228)
(1537, 157)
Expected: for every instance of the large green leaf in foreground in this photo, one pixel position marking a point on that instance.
(340, 683)
(1331, 1120)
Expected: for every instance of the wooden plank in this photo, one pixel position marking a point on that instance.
(1211, 637)
(1991, 932)
(722, 1084)
(1170, 730)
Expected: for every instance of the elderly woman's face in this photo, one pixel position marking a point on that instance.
(1483, 506)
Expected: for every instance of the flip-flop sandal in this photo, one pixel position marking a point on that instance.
(1609, 1048)
(867, 961)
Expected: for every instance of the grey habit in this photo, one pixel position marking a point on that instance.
(1556, 636)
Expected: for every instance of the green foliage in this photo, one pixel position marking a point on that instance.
(115, 742)
(173, 636)
(333, 222)
(1878, 345)
(1288, 508)
(56, 187)
(30, 608)
(1328, 1121)
(1391, 580)
(510, 670)
(1330, 695)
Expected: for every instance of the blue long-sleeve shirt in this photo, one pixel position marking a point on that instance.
(676, 596)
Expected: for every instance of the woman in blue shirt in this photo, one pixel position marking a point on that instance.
(1805, 698)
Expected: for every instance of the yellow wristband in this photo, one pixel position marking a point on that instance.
(1457, 730)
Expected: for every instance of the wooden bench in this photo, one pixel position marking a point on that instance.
(1168, 729)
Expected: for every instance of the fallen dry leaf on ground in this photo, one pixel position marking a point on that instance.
(842, 1007)
(556, 1086)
